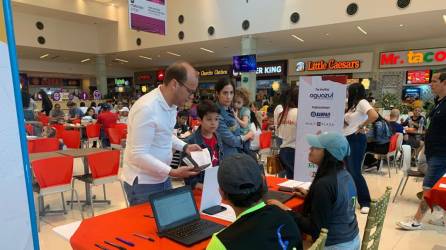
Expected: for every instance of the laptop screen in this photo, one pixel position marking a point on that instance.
(174, 208)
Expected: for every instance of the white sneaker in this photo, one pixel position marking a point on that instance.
(365, 210)
(410, 225)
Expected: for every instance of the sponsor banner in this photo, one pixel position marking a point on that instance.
(337, 64)
(148, 15)
(321, 109)
(17, 211)
(412, 58)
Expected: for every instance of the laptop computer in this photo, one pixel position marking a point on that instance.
(178, 219)
(277, 195)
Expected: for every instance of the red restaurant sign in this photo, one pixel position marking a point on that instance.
(331, 64)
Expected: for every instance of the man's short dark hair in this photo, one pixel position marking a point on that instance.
(246, 200)
(82, 104)
(205, 107)
(442, 73)
(183, 113)
(175, 71)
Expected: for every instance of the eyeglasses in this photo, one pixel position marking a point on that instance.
(189, 90)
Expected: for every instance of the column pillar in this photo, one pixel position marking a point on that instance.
(248, 79)
(101, 74)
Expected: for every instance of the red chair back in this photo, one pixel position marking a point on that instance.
(76, 121)
(265, 139)
(59, 130)
(93, 130)
(71, 138)
(42, 145)
(104, 164)
(30, 147)
(44, 119)
(194, 123)
(54, 171)
(393, 142)
(122, 129)
(29, 129)
(115, 136)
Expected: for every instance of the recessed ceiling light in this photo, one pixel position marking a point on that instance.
(85, 60)
(444, 18)
(327, 34)
(173, 54)
(112, 5)
(43, 56)
(401, 25)
(103, 1)
(362, 30)
(145, 57)
(298, 38)
(207, 50)
(121, 60)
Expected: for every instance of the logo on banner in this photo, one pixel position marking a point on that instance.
(56, 96)
(322, 96)
(300, 66)
(320, 114)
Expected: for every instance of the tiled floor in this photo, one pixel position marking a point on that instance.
(432, 237)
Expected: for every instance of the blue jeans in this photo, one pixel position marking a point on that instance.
(286, 156)
(436, 168)
(104, 139)
(354, 244)
(358, 143)
(139, 193)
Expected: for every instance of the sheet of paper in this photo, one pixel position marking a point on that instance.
(67, 230)
(201, 157)
(227, 215)
(290, 184)
(306, 185)
(210, 196)
(442, 185)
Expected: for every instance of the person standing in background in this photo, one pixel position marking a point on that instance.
(150, 138)
(47, 105)
(359, 114)
(286, 129)
(83, 108)
(107, 119)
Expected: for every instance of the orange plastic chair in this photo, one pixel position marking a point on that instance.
(59, 130)
(71, 138)
(53, 175)
(76, 121)
(43, 119)
(122, 128)
(42, 145)
(29, 129)
(104, 167)
(115, 136)
(265, 139)
(30, 147)
(93, 133)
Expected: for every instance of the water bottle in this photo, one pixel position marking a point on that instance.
(420, 126)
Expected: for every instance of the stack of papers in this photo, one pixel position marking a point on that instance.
(290, 185)
(201, 157)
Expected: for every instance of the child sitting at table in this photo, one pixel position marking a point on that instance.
(258, 226)
(181, 126)
(206, 136)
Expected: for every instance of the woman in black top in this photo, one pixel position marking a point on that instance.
(330, 201)
(47, 105)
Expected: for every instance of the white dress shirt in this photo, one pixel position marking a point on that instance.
(150, 140)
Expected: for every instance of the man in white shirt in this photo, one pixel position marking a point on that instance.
(150, 138)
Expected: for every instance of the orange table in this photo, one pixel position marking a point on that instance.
(437, 195)
(123, 223)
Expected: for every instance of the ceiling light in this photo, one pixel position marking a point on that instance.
(103, 1)
(362, 30)
(121, 60)
(173, 54)
(401, 25)
(85, 60)
(145, 57)
(43, 56)
(444, 18)
(112, 5)
(298, 38)
(327, 34)
(207, 50)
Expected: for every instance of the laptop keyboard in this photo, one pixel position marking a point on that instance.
(190, 229)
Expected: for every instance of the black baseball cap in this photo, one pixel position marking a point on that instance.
(239, 174)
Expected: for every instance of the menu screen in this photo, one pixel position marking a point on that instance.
(418, 76)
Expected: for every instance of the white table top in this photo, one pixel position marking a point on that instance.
(67, 230)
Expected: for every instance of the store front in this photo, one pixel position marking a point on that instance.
(208, 76)
(408, 73)
(357, 67)
(57, 88)
(121, 87)
(146, 81)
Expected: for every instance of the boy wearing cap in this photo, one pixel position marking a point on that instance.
(258, 226)
(123, 115)
(330, 202)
